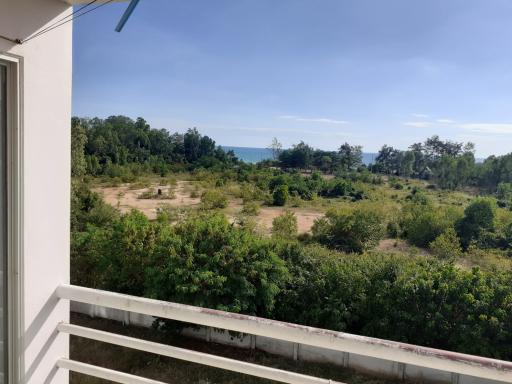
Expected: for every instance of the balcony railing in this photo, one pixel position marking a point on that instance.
(455, 363)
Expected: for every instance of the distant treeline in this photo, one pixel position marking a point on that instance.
(449, 164)
(118, 145)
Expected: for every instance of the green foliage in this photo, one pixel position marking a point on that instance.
(285, 226)
(447, 245)
(78, 141)
(213, 199)
(413, 300)
(280, 195)
(121, 147)
(478, 223)
(350, 230)
(350, 157)
(88, 208)
(504, 193)
(205, 260)
(423, 223)
(251, 208)
(300, 156)
(451, 164)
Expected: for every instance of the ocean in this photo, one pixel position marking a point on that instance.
(253, 155)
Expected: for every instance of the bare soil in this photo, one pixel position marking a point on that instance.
(125, 198)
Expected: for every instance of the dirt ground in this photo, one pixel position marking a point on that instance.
(399, 246)
(126, 199)
(305, 218)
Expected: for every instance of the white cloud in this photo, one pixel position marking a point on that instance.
(418, 124)
(496, 128)
(324, 120)
(445, 121)
(420, 115)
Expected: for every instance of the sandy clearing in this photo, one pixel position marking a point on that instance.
(305, 218)
(126, 199)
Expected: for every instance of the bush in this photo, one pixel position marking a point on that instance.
(414, 300)
(280, 195)
(251, 208)
(213, 199)
(447, 245)
(350, 230)
(194, 194)
(285, 226)
(423, 223)
(478, 222)
(157, 193)
(207, 262)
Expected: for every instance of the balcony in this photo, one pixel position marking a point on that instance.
(410, 361)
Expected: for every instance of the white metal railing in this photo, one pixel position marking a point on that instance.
(457, 363)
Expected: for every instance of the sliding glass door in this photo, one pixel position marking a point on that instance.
(3, 223)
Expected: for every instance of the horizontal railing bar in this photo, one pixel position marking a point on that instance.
(366, 346)
(103, 373)
(193, 356)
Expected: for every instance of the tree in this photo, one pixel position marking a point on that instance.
(78, 142)
(350, 157)
(192, 143)
(299, 156)
(276, 147)
(387, 160)
(504, 193)
(407, 164)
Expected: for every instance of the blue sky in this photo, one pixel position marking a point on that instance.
(369, 72)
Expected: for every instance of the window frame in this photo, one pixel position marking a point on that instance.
(14, 174)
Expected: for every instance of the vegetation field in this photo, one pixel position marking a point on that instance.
(415, 248)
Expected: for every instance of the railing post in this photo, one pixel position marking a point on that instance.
(345, 359)
(401, 371)
(296, 351)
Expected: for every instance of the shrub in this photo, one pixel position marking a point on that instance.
(350, 230)
(280, 195)
(478, 222)
(206, 261)
(157, 193)
(213, 199)
(414, 300)
(194, 194)
(285, 226)
(251, 208)
(447, 245)
(423, 223)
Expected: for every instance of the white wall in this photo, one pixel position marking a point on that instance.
(46, 112)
